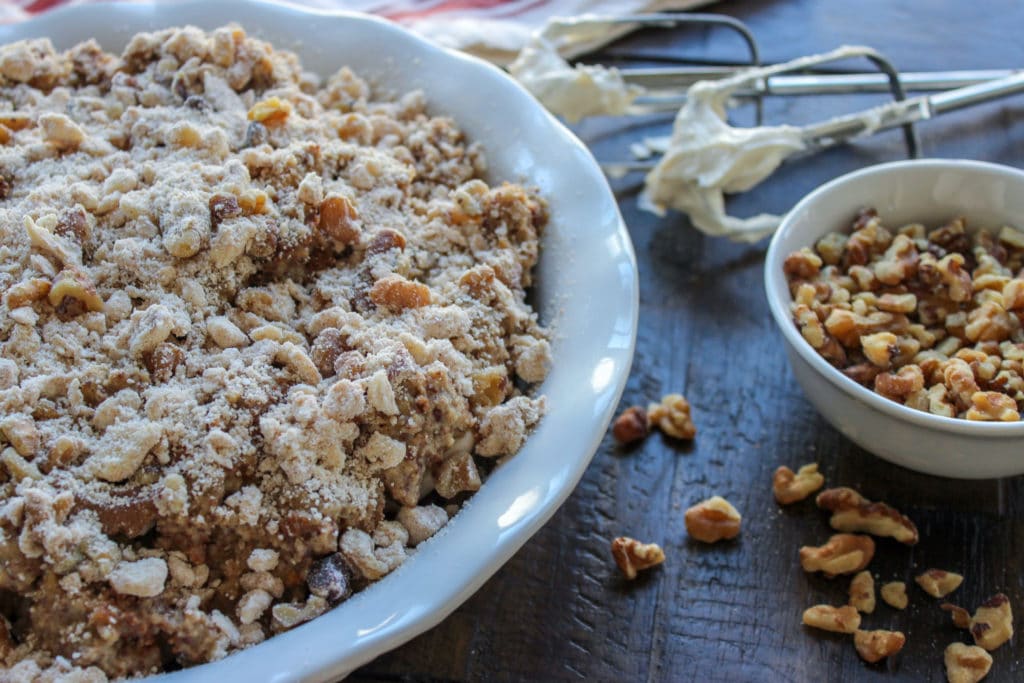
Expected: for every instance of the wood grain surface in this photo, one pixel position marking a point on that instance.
(559, 609)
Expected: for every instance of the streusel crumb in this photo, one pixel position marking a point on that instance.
(255, 332)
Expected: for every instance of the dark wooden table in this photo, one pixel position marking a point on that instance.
(559, 609)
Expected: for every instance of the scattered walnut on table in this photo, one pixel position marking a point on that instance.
(843, 554)
(790, 488)
(851, 512)
(843, 619)
(631, 425)
(633, 556)
(862, 592)
(713, 520)
(672, 416)
(966, 663)
(874, 646)
(992, 623)
(939, 583)
(894, 594)
(961, 617)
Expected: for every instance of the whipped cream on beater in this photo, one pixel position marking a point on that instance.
(571, 92)
(706, 157)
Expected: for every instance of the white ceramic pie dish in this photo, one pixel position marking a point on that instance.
(926, 191)
(587, 290)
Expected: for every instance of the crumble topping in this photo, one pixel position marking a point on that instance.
(255, 332)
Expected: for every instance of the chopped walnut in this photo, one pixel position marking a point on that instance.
(992, 623)
(803, 264)
(290, 614)
(961, 617)
(901, 385)
(263, 560)
(938, 583)
(272, 110)
(21, 432)
(879, 348)
(422, 522)
(894, 594)
(874, 646)
(338, 219)
(862, 592)
(672, 416)
(456, 475)
(73, 283)
(842, 554)
(26, 292)
(143, 578)
(713, 520)
(966, 663)
(851, 512)
(397, 293)
(896, 308)
(992, 406)
(252, 605)
(843, 619)
(790, 488)
(631, 425)
(632, 556)
(61, 132)
(225, 333)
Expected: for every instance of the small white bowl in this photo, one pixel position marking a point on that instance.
(930, 192)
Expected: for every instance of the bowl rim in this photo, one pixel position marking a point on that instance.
(297, 654)
(774, 282)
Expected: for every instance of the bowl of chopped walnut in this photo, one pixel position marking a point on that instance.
(899, 291)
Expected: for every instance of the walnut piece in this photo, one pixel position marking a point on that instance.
(938, 583)
(961, 617)
(842, 554)
(270, 111)
(894, 594)
(26, 292)
(633, 556)
(992, 406)
(713, 520)
(457, 474)
(143, 578)
(851, 512)
(397, 293)
(992, 623)
(631, 425)
(672, 416)
(422, 521)
(21, 432)
(74, 283)
(790, 488)
(843, 619)
(966, 663)
(337, 219)
(862, 592)
(874, 646)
